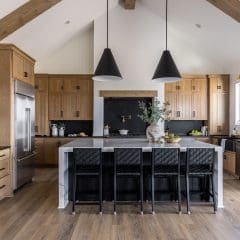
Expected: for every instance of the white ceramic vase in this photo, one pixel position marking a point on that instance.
(154, 132)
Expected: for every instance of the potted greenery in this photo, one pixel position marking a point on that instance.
(153, 114)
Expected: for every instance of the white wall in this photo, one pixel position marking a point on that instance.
(73, 57)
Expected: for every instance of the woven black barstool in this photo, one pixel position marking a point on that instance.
(200, 163)
(128, 162)
(87, 162)
(166, 163)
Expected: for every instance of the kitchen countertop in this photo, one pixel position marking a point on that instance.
(108, 144)
(4, 147)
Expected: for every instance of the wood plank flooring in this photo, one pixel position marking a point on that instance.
(32, 214)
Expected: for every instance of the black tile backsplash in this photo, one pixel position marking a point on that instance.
(75, 127)
(183, 127)
(114, 108)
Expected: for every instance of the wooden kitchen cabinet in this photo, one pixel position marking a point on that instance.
(47, 150)
(41, 105)
(70, 97)
(188, 98)
(23, 67)
(5, 174)
(229, 162)
(219, 104)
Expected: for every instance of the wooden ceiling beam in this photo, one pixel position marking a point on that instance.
(129, 4)
(230, 7)
(24, 14)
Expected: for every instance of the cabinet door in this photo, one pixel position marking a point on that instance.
(223, 83)
(51, 146)
(184, 106)
(41, 106)
(71, 106)
(199, 106)
(184, 86)
(86, 100)
(223, 113)
(18, 67)
(55, 110)
(28, 71)
(213, 121)
(71, 85)
(39, 148)
(199, 85)
(55, 84)
(171, 97)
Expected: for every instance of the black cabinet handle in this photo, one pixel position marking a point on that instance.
(77, 113)
(1, 169)
(2, 155)
(219, 87)
(36, 129)
(3, 186)
(25, 74)
(194, 114)
(78, 87)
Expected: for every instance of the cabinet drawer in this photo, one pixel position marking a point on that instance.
(4, 154)
(5, 187)
(4, 167)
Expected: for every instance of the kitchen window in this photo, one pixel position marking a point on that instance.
(237, 103)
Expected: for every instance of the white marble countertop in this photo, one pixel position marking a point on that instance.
(108, 145)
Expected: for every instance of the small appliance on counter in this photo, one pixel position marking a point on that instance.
(106, 131)
(54, 130)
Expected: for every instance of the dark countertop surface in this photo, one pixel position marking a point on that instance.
(4, 147)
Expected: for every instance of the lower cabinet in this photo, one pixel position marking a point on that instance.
(5, 174)
(229, 162)
(47, 150)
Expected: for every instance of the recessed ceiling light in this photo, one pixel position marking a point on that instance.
(198, 25)
(67, 22)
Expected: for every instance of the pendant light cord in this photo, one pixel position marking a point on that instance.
(107, 23)
(166, 24)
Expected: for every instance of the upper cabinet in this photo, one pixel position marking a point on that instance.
(23, 67)
(70, 97)
(188, 98)
(219, 104)
(41, 104)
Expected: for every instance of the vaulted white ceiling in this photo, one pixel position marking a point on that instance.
(217, 39)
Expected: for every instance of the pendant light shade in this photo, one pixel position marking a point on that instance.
(107, 69)
(166, 70)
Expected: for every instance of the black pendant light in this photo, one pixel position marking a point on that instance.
(166, 70)
(107, 68)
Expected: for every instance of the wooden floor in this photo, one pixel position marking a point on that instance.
(33, 214)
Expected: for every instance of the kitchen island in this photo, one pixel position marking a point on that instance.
(108, 145)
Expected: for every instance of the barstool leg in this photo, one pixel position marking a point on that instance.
(100, 192)
(141, 192)
(74, 194)
(115, 192)
(188, 194)
(213, 194)
(179, 194)
(153, 197)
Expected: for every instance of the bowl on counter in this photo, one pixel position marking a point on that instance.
(123, 132)
(173, 140)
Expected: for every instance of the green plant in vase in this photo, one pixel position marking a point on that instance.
(153, 114)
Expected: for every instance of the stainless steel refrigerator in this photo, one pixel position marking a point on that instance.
(23, 165)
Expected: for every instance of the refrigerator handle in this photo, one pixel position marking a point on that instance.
(28, 111)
